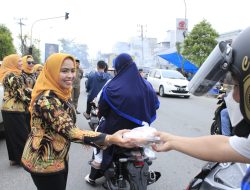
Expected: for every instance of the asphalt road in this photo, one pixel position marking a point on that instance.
(188, 117)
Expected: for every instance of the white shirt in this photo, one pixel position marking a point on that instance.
(241, 145)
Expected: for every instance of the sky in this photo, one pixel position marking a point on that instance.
(102, 23)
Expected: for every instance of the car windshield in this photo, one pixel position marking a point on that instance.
(172, 74)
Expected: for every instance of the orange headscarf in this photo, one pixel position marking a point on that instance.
(36, 67)
(25, 66)
(49, 78)
(10, 65)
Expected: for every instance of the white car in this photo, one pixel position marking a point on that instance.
(169, 82)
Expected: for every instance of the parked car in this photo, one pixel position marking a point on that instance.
(1, 118)
(169, 82)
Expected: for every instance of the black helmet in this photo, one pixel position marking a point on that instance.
(241, 69)
(222, 59)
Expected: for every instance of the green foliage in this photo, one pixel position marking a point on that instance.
(24, 48)
(36, 54)
(80, 51)
(199, 43)
(7, 47)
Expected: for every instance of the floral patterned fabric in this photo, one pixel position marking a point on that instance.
(15, 97)
(29, 82)
(53, 128)
(29, 79)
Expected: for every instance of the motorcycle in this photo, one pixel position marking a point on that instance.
(94, 120)
(219, 176)
(130, 170)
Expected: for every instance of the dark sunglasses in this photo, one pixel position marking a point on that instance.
(30, 62)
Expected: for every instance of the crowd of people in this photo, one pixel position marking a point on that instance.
(40, 117)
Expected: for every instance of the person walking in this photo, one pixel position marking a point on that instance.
(37, 69)
(77, 85)
(29, 78)
(13, 107)
(53, 127)
(96, 80)
(27, 71)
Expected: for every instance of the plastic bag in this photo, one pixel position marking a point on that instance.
(144, 135)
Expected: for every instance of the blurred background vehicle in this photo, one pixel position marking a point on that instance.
(169, 82)
(145, 71)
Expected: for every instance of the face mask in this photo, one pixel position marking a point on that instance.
(233, 109)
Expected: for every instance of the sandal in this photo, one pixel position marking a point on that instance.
(153, 177)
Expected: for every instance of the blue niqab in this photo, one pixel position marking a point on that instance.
(129, 95)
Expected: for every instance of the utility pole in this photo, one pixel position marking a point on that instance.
(141, 30)
(21, 33)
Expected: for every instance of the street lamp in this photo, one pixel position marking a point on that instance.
(66, 17)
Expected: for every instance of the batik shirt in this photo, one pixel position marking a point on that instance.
(29, 81)
(15, 98)
(53, 128)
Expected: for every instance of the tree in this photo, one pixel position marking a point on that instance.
(77, 50)
(7, 47)
(199, 43)
(24, 48)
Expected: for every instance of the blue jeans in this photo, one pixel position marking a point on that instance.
(225, 123)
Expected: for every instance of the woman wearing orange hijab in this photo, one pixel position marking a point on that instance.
(27, 71)
(29, 78)
(53, 126)
(13, 107)
(37, 69)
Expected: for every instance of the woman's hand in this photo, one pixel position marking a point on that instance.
(164, 144)
(117, 139)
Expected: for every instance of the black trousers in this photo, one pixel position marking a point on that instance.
(27, 118)
(51, 182)
(88, 106)
(16, 133)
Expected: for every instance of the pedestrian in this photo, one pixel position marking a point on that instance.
(219, 148)
(108, 71)
(27, 71)
(141, 72)
(77, 85)
(13, 107)
(29, 78)
(126, 102)
(96, 80)
(53, 127)
(37, 69)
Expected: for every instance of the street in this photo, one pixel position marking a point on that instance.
(187, 117)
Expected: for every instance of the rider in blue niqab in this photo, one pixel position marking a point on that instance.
(126, 102)
(129, 95)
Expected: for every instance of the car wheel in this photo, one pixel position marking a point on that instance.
(161, 91)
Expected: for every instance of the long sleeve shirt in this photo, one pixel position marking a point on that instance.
(52, 129)
(15, 99)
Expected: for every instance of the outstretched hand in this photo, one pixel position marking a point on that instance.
(164, 144)
(117, 139)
